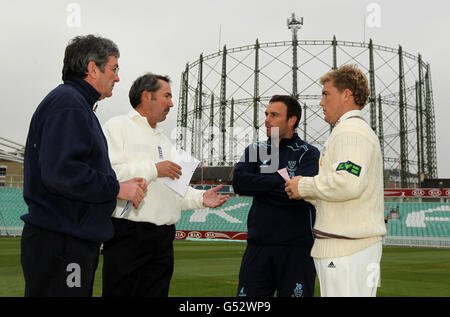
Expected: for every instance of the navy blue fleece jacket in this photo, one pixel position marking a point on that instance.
(274, 219)
(69, 185)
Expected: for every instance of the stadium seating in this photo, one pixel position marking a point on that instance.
(231, 216)
(420, 219)
(415, 220)
(224, 190)
(12, 206)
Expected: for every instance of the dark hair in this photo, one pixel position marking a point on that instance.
(349, 77)
(147, 82)
(83, 49)
(293, 106)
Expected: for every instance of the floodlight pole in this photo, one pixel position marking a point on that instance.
(294, 25)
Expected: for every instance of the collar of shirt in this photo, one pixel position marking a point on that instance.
(348, 114)
(134, 115)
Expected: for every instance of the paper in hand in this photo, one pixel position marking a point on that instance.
(188, 165)
(283, 172)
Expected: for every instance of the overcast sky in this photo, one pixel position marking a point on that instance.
(162, 36)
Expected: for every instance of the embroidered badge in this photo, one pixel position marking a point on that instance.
(291, 168)
(350, 167)
(298, 291)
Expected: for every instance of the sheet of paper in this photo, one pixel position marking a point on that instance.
(188, 165)
(283, 172)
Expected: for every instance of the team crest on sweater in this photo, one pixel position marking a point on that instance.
(350, 167)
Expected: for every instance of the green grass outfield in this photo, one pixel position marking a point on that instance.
(211, 269)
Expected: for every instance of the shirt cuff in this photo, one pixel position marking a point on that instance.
(306, 187)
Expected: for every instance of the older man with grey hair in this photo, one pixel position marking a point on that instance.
(69, 185)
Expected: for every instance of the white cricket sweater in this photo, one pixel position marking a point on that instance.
(348, 189)
(134, 149)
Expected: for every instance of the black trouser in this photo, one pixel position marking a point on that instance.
(288, 270)
(56, 264)
(138, 261)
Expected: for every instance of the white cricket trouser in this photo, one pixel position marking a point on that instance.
(355, 275)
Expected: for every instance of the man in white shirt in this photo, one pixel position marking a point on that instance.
(138, 261)
(348, 191)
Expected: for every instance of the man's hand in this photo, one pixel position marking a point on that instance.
(212, 200)
(168, 169)
(291, 187)
(133, 190)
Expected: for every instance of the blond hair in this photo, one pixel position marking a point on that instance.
(349, 77)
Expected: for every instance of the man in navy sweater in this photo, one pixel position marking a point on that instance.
(280, 235)
(69, 185)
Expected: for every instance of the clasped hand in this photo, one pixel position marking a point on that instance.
(133, 190)
(291, 187)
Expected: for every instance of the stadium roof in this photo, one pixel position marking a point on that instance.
(11, 151)
(220, 173)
